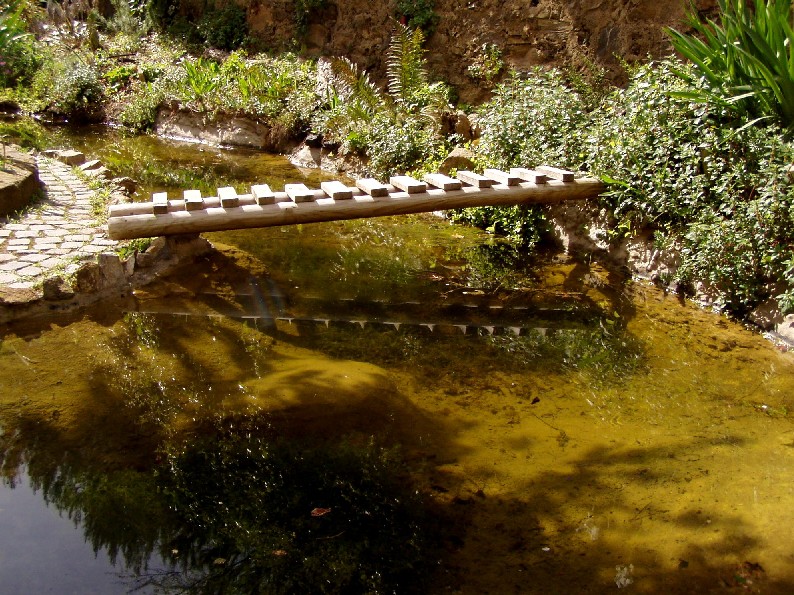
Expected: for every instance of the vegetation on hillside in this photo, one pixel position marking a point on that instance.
(697, 151)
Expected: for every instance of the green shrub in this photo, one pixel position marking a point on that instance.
(396, 147)
(417, 14)
(533, 119)
(77, 91)
(224, 28)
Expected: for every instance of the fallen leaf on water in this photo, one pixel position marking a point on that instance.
(320, 511)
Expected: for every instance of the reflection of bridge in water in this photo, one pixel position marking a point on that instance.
(335, 201)
(267, 308)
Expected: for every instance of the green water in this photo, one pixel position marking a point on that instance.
(395, 405)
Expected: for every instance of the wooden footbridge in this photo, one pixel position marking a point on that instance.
(335, 201)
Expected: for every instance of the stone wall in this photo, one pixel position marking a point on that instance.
(528, 32)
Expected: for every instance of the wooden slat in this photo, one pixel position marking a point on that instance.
(262, 194)
(442, 181)
(502, 177)
(193, 200)
(372, 187)
(336, 190)
(299, 192)
(228, 197)
(476, 180)
(160, 203)
(555, 172)
(408, 184)
(530, 175)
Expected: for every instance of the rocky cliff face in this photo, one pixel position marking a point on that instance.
(527, 32)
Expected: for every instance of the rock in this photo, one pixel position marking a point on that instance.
(127, 185)
(463, 126)
(86, 280)
(306, 156)
(459, 158)
(100, 172)
(91, 165)
(474, 123)
(112, 273)
(19, 181)
(315, 141)
(70, 157)
(56, 289)
(223, 129)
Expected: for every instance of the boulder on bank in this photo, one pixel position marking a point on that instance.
(19, 180)
(222, 129)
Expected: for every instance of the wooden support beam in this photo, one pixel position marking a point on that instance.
(228, 197)
(476, 180)
(299, 192)
(372, 187)
(443, 182)
(336, 190)
(137, 220)
(501, 177)
(556, 173)
(530, 175)
(193, 201)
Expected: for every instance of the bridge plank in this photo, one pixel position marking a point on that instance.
(442, 181)
(502, 177)
(372, 187)
(530, 175)
(160, 203)
(555, 172)
(193, 200)
(336, 190)
(299, 192)
(408, 184)
(262, 194)
(228, 197)
(473, 179)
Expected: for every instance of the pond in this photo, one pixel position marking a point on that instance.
(392, 405)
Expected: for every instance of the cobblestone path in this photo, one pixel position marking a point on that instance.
(54, 235)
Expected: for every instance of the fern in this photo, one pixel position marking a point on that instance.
(405, 67)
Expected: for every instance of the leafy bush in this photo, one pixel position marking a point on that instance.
(418, 14)
(18, 56)
(302, 10)
(77, 91)
(225, 28)
(533, 119)
(746, 62)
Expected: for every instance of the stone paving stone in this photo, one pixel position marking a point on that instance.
(72, 245)
(92, 249)
(6, 258)
(29, 271)
(104, 242)
(26, 234)
(58, 252)
(41, 227)
(8, 278)
(57, 233)
(78, 238)
(13, 265)
(4, 233)
(19, 242)
(50, 262)
(47, 240)
(22, 285)
(17, 227)
(32, 257)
